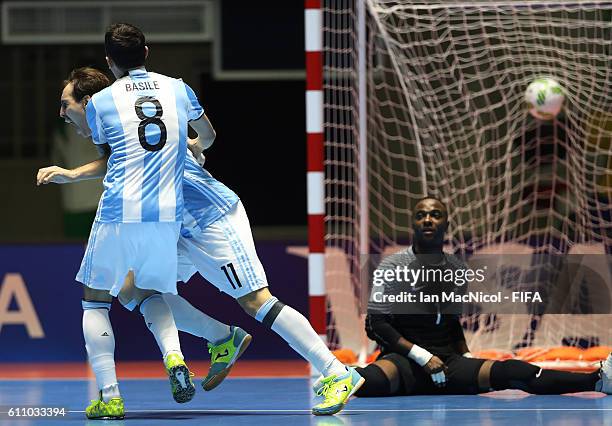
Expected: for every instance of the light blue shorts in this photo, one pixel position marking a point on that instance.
(149, 249)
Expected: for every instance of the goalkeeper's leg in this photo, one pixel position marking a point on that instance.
(515, 374)
(396, 375)
(473, 375)
(384, 378)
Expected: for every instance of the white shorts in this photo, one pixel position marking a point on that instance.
(224, 254)
(148, 249)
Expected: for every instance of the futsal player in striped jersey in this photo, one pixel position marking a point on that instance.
(216, 240)
(140, 123)
(81, 84)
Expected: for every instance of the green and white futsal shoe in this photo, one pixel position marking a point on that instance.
(111, 410)
(182, 387)
(336, 391)
(223, 355)
(318, 384)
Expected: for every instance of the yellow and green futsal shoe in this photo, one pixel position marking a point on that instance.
(111, 410)
(223, 355)
(336, 391)
(182, 387)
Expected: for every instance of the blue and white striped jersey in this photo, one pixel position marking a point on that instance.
(143, 117)
(206, 199)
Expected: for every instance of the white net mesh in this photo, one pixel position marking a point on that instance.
(446, 117)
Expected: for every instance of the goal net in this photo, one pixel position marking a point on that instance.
(443, 115)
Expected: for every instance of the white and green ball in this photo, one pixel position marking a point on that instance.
(544, 98)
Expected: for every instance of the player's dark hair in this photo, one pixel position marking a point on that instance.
(125, 45)
(86, 81)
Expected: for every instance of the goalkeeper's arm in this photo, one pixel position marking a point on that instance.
(380, 329)
(458, 338)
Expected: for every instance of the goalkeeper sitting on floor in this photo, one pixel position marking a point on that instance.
(428, 354)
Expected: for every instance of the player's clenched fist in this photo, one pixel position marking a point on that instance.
(437, 369)
(53, 174)
(197, 150)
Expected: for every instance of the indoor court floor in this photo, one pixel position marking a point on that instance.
(287, 401)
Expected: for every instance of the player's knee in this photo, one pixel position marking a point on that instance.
(96, 299)
(253, 302)
(406, 381)
(376, 382)
(267, 311)
(94, 295)
(131, 297)
(247, 304)
(519, 369)
(512, 373)
(149, 296)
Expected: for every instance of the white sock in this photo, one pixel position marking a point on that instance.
(297, 331)
(193, 321)
(159, 320)
(100, 345)
(109, 392)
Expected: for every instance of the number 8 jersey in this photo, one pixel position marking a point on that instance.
(143, 117)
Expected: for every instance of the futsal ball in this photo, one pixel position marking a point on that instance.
(544, 98)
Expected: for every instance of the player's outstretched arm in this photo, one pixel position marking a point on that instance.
(54, 174)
